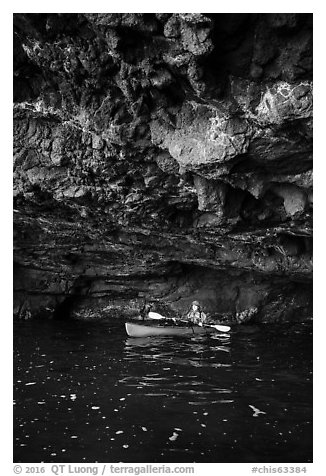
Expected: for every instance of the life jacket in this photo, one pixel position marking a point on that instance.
(196, 316)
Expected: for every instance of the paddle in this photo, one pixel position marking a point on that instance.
(156, 316)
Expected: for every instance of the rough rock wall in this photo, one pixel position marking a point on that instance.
(163, 157)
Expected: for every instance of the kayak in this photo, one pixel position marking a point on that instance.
(140, 330)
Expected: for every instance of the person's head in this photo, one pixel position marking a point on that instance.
(195, 306)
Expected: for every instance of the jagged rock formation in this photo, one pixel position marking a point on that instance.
(165, 157)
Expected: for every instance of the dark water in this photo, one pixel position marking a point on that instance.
(84, 392)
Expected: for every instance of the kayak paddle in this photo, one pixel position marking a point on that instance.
(156, 316)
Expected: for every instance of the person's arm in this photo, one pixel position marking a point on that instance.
(203, 318)
(189, 316)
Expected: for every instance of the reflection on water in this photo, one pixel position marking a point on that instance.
(188, 353)
(85, 392)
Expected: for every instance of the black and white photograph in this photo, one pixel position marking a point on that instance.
(163, 239)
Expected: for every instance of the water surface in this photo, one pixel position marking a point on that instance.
(85, 392)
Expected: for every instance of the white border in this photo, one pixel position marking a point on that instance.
(64, 6)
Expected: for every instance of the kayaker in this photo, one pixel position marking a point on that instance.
(145, 310)
(196, 315)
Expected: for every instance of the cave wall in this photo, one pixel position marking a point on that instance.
(164, 158)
